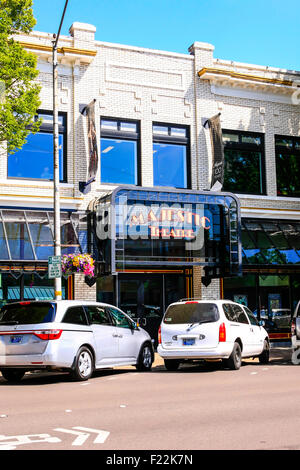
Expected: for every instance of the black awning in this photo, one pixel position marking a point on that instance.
(270, 242)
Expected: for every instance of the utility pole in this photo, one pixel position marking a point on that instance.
(56, 179)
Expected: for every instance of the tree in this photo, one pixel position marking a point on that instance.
(19, 99)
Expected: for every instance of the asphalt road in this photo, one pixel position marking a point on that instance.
(197, 407)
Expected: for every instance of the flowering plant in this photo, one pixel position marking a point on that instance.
(78, 264)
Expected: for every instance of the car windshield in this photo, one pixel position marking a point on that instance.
(25, 313)
(192, 313)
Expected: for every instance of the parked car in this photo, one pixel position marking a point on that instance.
(76, 336)
(217, 329)
(296, 327)
(281, 317)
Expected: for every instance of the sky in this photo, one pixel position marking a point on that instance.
(262, 32)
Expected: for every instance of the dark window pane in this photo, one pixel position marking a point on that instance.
(118, 161)
(28, 313)
(192, 313)
(243, 172)
(35, 159)
(75, 315)
(288, 174)
(97, 315)
(169, 165)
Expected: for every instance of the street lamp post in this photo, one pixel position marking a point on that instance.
(56, 179)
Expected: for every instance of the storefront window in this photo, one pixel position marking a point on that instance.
(35, 159)
(119, 152)
(27, 287)
(244, 170)
(170, 160)
(287, 166)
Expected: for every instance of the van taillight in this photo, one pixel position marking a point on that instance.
(222, 333)
(159, 335)
(48, 334)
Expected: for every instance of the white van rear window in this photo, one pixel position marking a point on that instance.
(192, 313)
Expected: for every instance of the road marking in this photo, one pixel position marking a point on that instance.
(253, 373)
(11, 442)
(84, 433)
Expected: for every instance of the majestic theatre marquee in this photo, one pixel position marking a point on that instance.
(146, 228)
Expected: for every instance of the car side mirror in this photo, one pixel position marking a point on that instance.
(261, 323)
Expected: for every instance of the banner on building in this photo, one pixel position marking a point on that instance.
(217, 178)
(89, 112)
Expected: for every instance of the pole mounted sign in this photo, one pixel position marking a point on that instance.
(54, 267)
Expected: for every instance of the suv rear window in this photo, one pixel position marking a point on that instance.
(192, 313)
(26, 313)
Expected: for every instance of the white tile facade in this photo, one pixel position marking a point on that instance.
(155, 86)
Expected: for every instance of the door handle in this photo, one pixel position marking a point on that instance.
(115, 335)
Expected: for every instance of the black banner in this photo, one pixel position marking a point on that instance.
(214, 125)
(89, 112)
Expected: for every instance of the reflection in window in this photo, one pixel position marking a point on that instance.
(28, 235)
(35, 159)
(118, 161)
(288, 166)
(265, 242)
(119, 152)
(18, 240)
(244, 171)
(170, 163)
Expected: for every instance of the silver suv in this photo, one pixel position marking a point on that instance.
(76, 336)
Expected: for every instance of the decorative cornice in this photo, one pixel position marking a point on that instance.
(84, 55)
(243, 76)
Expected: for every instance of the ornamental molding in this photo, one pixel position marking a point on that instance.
(231, 79)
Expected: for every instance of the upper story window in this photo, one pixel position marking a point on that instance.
(171, 165)
(244, 169)
(119, 151)
(288, 166)
(35, 159)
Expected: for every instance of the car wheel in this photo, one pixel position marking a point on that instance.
(84, 365)
(145, 359)
(264, 357)
(13, 375)
(234, 361)
(171, 364)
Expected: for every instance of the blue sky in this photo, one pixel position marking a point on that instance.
(264, 32)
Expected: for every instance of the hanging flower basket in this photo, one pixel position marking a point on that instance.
(78, 264)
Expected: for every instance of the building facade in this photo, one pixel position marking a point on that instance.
(150, 110)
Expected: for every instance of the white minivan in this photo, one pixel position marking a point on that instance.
(211, 329)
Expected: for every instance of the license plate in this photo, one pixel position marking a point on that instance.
(188, 342)
(16, 339)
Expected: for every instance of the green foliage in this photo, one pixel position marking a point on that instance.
(19, 99)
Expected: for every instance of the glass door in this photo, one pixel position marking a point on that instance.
(145, 297)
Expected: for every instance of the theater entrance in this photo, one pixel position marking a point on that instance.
(145, 297)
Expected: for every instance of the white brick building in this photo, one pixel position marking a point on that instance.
(152, 88)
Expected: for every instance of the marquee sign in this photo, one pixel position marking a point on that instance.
(147, 227)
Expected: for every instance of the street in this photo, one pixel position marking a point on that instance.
(197, 407)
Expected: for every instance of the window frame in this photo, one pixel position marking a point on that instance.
(123, 135)
(248, 147)
(175, 140)
(287, 151)
(48, 129)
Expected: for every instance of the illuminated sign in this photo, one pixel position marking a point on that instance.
(177, 219)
